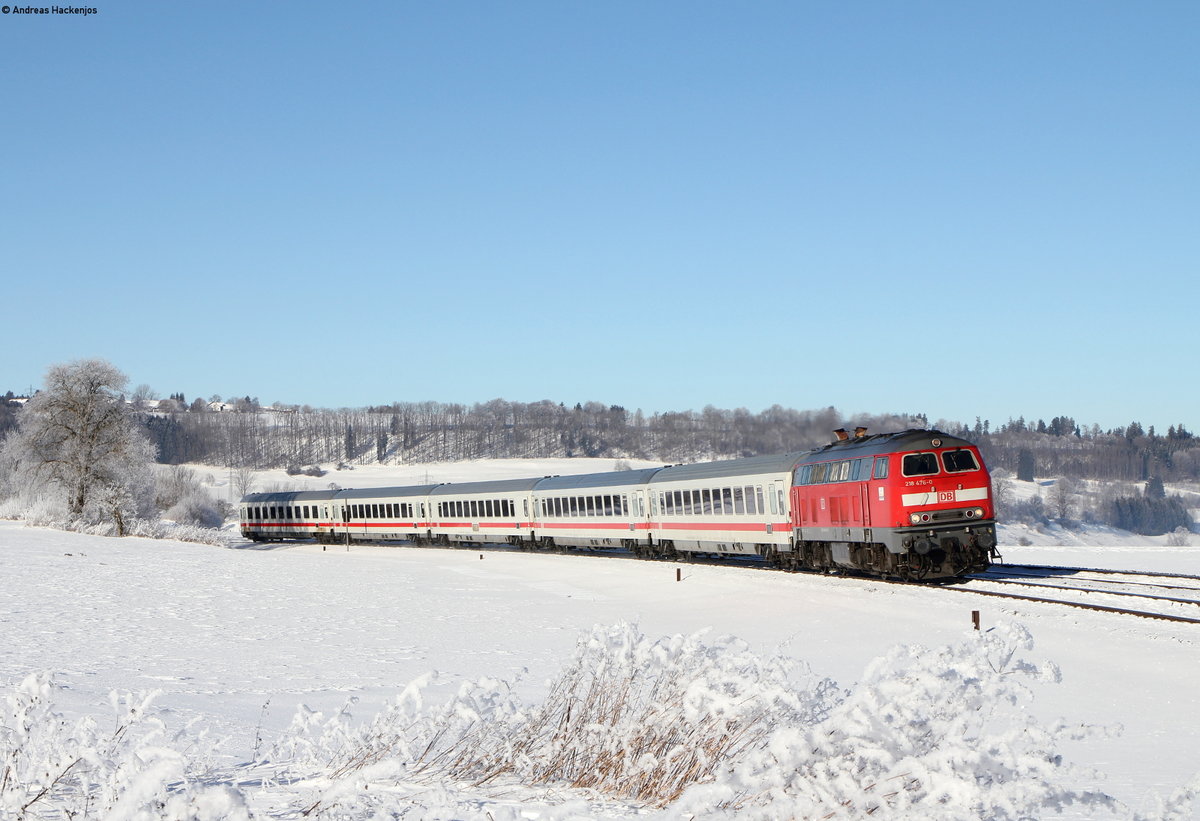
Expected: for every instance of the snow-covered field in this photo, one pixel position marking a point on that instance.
(235, 639)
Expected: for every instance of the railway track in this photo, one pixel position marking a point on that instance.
(1165, 596)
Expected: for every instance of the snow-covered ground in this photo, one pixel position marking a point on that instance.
(237, 638)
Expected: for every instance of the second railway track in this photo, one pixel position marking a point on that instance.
(1169, 597)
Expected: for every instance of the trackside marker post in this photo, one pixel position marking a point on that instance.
(679, 574)
(975, 618)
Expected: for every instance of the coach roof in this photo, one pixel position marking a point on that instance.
(615, 478)
(286, 496)
(380, 492)
(497, 486)
(751, 466)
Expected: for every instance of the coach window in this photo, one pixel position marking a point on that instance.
(758, 492)
(919, 464)
(739, 502)
(751, 509)
(957, 461)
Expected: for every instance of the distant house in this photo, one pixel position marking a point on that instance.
(220, 407)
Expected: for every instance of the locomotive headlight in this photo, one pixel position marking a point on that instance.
(979, 513)
(915, 518)
(970, 514)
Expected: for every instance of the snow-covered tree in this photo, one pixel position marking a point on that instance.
(78, 444)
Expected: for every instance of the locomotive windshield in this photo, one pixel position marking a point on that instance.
(957, 461)
(920, 464)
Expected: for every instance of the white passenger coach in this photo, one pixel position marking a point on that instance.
(735, 507)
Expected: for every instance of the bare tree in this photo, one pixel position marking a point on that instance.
(1062, 500)
(243, 481)
(77, 440)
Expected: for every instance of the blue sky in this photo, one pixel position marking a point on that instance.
(958, 209)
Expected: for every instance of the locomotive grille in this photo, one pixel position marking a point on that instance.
(950, 516)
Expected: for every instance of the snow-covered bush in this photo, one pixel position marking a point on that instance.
(195, 509)
(53, 767)
(937, 733)
(182, 498)
(628, 717)
(643, 719)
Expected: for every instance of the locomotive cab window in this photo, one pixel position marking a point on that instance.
(958, 461)
(920, 464)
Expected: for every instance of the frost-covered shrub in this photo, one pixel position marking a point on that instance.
(642, 719)
(195, 509)
(1179, 537)
(128, 771)
(928, 733)
(182, 497)
(628, 717)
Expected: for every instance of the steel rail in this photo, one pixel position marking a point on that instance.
(1080, 605)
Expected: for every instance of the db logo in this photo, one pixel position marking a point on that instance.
(945, 495)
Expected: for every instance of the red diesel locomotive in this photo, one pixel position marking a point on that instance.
(914, 505)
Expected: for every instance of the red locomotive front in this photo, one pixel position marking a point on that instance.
(916, 504)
